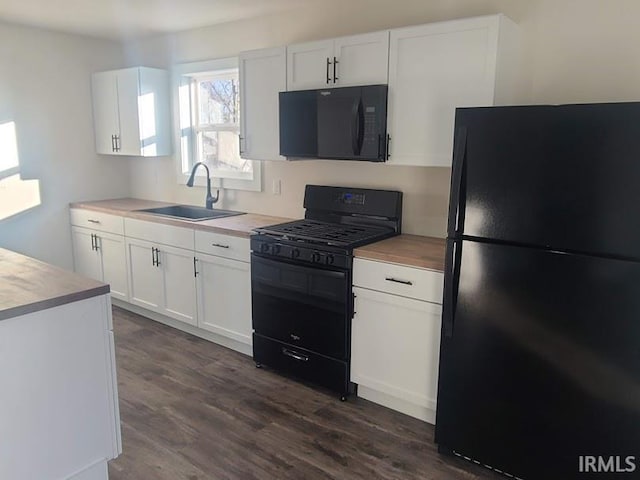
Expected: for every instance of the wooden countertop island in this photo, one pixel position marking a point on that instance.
(28, 285)
(60, 416)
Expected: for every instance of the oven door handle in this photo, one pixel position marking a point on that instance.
(294, 355)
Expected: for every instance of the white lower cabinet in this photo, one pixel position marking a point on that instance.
(162, 279)
(395, 348)
(200, 278)
(224, 297)
(101, 256)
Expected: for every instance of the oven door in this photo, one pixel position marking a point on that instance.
(303, 306)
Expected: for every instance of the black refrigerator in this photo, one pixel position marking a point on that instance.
(540, 350)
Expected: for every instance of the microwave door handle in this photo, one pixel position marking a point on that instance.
(356, 127)
(360, 126)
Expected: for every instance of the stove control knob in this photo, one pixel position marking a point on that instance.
(295, 253)
(264, 248)
(329, 259)
(316, 257)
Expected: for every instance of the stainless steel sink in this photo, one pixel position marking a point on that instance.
(188, 212)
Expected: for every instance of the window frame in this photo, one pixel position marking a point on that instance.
(231, 180)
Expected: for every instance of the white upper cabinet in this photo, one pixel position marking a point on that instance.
(106, 120)
(362, 59)
(309, 65)
(131, 112)
(437, 67)
(262, 76)
(340, 62)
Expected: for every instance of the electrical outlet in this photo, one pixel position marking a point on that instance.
(276, 188)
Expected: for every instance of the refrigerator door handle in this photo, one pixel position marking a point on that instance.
(452, 274)
(459, 159)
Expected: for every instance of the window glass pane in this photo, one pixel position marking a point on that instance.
(219, 150)
(218, 101)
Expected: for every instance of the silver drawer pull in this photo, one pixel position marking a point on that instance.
(93, 221)
(404, 282)
(294, 355)
(219, 245)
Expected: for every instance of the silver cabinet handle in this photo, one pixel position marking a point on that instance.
(404, 282)
(93, 221)
(294, 355)
(219, 245)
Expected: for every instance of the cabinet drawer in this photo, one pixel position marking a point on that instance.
(227, 246)
(103, 222)
(399, 280)
(159, 233)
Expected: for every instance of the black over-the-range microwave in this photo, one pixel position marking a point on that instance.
(347, 123)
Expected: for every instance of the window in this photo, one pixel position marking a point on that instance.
(209, 124)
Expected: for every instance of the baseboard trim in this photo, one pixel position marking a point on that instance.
(394, 403)
(198, 332)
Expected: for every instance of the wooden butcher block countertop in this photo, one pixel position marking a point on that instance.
(28, 285)
(238, 225)
(409, 250)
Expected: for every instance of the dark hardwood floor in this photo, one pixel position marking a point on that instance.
(193, 410)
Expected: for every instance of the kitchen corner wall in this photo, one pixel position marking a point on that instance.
(45, 89)
(574, 51)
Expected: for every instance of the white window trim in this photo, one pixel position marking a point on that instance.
(177, 72)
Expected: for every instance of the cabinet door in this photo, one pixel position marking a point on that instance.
(145, 278)
(154, 126)
(113, 257)
(104, 92)
(307, 65)
(432, 70)
(86, 258)
(224, 297)
(262, 77)
(129, 142)
(178, 285)
(395, 346)
(362, 59)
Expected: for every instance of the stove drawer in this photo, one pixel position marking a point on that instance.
(301, 363)
(301, 323)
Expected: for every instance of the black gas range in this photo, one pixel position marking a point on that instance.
(302, 301)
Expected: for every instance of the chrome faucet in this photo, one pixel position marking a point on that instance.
(210, 200)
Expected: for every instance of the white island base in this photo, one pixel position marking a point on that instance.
(59, 416)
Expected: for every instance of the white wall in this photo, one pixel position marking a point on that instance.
(575, 51)
(45, 89)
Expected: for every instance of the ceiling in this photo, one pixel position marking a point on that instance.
(121, 19)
